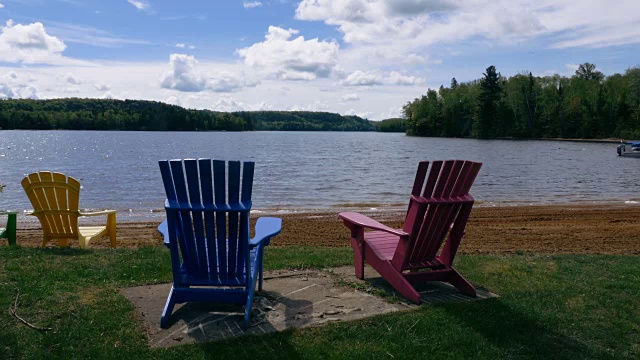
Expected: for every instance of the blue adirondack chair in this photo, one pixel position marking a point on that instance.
(207, 230)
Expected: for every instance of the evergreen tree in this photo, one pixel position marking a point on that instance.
(488, 104)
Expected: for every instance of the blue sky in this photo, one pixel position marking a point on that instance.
(364, 57)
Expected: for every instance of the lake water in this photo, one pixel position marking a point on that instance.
(301, 171)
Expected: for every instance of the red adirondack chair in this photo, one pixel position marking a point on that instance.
(438, 208)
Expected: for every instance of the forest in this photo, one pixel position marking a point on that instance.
(108, 114)
(587, 105)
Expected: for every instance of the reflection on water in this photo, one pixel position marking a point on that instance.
(298, 171)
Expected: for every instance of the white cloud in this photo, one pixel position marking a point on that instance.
(173, 100)
(361, 114)
(6, 92)
(415, 7)
(224, 81)
(361, 78)
(71, 79)
(107, 95)
(102, 87)
(11, 75)
(351, 97)
(29, 44)
(398, 79)
(1, 6)
(421, 23)
(292, 59)
(415, 59)
(183, 76)
(185, 46)
(228, 103)
(251, 4)
(71, 90)
(316, 105)
(140, 4)
(16, 90)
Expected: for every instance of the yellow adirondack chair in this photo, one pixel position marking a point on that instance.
(55, 198)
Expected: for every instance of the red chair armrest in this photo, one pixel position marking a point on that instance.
(367, 222)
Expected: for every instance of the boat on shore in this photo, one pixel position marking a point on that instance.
(629, 149)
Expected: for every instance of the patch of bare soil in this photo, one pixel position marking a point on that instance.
(500, 230)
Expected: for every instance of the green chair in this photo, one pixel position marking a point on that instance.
(9, 232)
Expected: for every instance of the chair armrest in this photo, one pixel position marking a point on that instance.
(163, 229)
(367, 222)
(98, 213)
(266, 228)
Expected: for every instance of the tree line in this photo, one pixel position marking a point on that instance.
(111, 114)
(586, 105)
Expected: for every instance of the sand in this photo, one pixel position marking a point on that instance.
(602, 229)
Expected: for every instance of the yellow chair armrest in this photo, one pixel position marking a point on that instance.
(98, 213)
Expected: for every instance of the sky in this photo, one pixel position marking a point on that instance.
(354, 57)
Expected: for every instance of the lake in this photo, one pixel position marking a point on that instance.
(302, 171)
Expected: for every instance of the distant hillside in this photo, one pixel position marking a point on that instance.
(391, 125)
(106, 114)
(304, 120)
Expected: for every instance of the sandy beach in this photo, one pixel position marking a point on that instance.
(602, 229)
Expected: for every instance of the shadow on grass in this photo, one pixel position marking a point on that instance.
(518, 335)
(278, 346)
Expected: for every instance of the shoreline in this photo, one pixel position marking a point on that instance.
(550, 229)
(371, 209)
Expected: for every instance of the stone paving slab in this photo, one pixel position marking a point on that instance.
(291, 299)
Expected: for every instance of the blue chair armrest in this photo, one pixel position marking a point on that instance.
(163, 229)
(266, 228)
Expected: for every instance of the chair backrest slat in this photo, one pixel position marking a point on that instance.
(206, 191)
(247, 182)
(212, 219)
(445, 188)
(219, 181)
(52, 202)
(186, 237)
(433, 177)
(233, 197)
(421, 174)
(193, 181)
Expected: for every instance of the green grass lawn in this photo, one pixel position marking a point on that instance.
(572, 307)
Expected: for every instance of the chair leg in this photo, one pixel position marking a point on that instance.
(168, 309)
(11, 229)
(247, 309)
(358, 257)
(83, 241)
(401, 284)
(460, 283)
(261, 262)
(111, 228)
